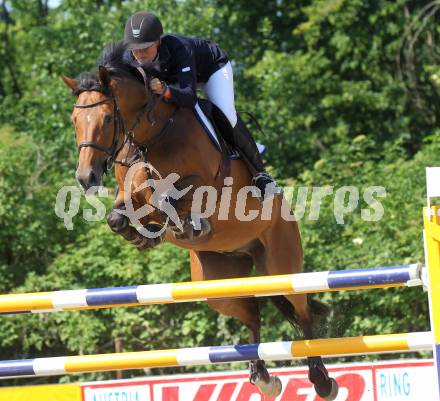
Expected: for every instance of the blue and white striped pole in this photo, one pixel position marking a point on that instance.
(273, 351)
(378, 277)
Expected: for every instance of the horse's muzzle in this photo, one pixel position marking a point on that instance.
(89, 178)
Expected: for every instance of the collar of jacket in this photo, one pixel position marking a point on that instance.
(164, 54)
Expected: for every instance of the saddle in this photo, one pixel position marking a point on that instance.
(219, 129)
(227, 139)
(216, 125)
(222, 137)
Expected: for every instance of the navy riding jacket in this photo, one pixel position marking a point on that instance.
(185, 62)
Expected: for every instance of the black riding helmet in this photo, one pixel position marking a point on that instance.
(142, 30)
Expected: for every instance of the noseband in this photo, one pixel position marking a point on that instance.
(118, 128)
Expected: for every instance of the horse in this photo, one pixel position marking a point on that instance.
(115, 115)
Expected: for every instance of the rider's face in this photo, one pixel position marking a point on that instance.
(146, 55)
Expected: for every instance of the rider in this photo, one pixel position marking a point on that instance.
(193, 61)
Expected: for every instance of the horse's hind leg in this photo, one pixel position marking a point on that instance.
(325, 386)
(212, 265)
(282, 254)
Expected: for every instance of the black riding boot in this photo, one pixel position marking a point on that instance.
(246, 145)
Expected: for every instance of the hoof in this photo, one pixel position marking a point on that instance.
(141, 243)
(334, 391)
(271, 388)
(117, 222)
(330, 392)
(190, 233)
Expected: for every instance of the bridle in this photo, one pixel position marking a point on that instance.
(141, 150)
(118, 128)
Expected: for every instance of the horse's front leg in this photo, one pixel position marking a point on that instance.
(120, 224)
(192, 228)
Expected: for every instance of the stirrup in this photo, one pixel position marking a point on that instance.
(266, 184)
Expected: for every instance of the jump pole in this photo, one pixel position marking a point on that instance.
(272, 351)
(95, 298)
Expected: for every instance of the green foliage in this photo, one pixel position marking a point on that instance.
(353, 76)
(394, 239)
(27, 221)
(347, 94)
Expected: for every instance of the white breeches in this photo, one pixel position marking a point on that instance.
(220, 90)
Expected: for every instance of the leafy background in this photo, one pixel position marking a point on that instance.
(347, 93)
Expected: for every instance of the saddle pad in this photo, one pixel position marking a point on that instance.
(212, 134)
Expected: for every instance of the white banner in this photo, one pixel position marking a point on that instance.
(396, 381)
(432, 183)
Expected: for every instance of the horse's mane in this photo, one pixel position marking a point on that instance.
(112, 59)
(88, 81)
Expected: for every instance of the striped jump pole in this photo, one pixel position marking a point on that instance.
(356, 279)
(272, 351)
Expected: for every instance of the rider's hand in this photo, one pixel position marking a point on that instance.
(157, 86)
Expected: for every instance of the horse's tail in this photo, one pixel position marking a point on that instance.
(319, 308)
(288, 311)
(286, 308)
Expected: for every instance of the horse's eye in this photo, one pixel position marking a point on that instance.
(108, 119)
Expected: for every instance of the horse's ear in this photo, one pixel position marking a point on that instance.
(70, 82)
(104, 76)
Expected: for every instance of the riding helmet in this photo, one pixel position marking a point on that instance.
(142, 30)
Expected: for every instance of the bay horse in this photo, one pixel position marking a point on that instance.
(115, 115)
